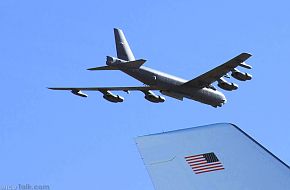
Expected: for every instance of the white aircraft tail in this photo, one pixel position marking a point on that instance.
(218, 156)
(122, 47)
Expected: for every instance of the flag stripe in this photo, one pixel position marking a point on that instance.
(210, 170)
(193, 156)
(197, 164)
(195, 159)
(198, 156)
(210, 167)
(192, 159)
(205, 165)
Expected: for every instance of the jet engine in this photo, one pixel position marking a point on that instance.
(245, 65)
(240, 75)
(79, 93)
(150, 96)
(112, 97)
(222, 83)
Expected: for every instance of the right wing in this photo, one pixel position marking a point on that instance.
(215, 74)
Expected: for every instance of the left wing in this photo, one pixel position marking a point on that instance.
(215, 74)
(115, 98)
(108, 95)
(101, 89)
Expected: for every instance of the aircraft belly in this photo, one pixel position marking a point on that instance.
(204, 95)
(171, 85)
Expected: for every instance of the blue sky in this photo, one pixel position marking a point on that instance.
(68, 142)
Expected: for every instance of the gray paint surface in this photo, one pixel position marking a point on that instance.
(247, 164)
(199, 89)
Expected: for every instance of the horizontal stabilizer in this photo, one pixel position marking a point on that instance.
(103, 68)
(133, 64)
(121, 65)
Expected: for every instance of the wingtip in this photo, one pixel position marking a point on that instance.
(52, 88)
(117, 29)
(246, 53)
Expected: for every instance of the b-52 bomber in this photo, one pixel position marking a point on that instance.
(199, 89)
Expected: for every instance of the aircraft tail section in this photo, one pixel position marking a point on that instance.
(122, 47)
(218, 156)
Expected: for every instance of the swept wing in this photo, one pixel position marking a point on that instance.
(215, 74)
(101, 89)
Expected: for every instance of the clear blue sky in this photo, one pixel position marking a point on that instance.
(68, 142)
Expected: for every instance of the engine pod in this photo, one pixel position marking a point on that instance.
(112, 97)
(240, 75)
(79, 93)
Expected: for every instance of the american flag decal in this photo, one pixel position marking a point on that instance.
(202, 163)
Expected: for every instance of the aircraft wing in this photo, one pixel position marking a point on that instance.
(218, 156)
(215, 74)
(131, 88)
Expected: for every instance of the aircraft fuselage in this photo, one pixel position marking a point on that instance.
(172, 84)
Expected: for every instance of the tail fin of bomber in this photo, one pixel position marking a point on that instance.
(122, 47)
(218, 156)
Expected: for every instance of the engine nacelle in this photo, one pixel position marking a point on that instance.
(112, 97)
(245, 65)
(150, 96)
(79, 93)
(113, 60)
(240, 75)
(222, 83)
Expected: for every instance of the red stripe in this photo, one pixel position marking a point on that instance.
(193, 156)
(209, 170)
(205, 165)
(196, 170)
(197, 164)
(195, 159)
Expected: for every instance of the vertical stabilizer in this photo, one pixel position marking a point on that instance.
(122, 47)
(212, 157)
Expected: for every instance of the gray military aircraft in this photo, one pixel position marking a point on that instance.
(199, 88)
